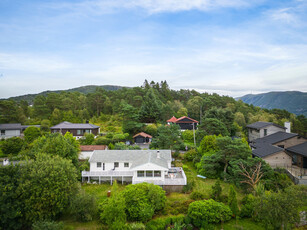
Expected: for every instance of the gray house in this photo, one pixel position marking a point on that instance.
(10, 130)
(261, 129)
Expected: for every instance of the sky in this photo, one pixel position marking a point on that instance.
(230, 47)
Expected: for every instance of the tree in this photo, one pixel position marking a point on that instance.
(143, 200)
(10, 204)
(217, 191)
(56, 116)
(195, 106)
(230, 150)
(208, 211)
(130, 117)
(87, 139)
(56, 144)
(281, 209)
(40, 108)
(233, 202)
(213, 126)
(168, 137)
(240, 119)
(12, 145)
(31, 133)
(44, 189)
(208, 144)
(150, 111)
(45, 125)
(114, 210)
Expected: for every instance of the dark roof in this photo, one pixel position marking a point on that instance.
(68, 125)
(26, 126)
(12, 126)
(260, 124)
(274, 138)
(266, 150)
(92, 147)
(299, 149)
(142, 134)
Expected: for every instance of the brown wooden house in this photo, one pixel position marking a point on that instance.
(185, 123)
(76, 129)
(142, 138)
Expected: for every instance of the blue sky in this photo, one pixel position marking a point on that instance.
(231, 47)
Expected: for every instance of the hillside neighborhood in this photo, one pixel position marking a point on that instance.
(212, 156)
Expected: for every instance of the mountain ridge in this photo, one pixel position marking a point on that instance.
(292, 101)
(82, 89)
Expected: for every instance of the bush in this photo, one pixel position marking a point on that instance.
(197, 195)
(12, 145)
(47, 225)
(190, 155)
(217, 191)
(102, 141)
(248, 206)
(163, 222)
(188, 187)
(208, 211)
(142, 200)
(188, 136)
(31, 133)
(136, 226)
(178, 207)
(83, 207)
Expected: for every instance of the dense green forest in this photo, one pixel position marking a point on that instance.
(128, 109)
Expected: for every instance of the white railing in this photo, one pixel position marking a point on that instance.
(107, 173)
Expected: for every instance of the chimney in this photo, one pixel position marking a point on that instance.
(87, 121)
(288, 127)
(158, 154)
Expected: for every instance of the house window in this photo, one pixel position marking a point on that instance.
(141, 173)
(149, 174)
(116, 164)
(157, 173)
(2, 132)
(265, 132)
(281, 146)
(98, 164)
(103, 165)
(79, 131)
(126, 165)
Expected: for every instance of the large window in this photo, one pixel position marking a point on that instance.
(126, 165)
(149, 174)
(265, 132)
(2, 132)
(98, 164)
(157, 173)
(141, 173)
(116, 164)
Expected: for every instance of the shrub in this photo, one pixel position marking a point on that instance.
(188, 135)
(197, 195)
(102, 141)
(188, 187)
(31, 133)
(47, 225)
(208, 211)
(136, 226)
(217, 191)
(83, 207)
(12, 145)
(190, 155)
(248, 206)
(142, 200)
(163, 222)
(178, 207)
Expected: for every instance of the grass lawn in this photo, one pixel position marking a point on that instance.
(241, 224)
(73, 225)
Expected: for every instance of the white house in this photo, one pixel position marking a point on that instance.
(134, 166)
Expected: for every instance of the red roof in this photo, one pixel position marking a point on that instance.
(92, 147)
(181, 118)
(142, 134)
(173, 119)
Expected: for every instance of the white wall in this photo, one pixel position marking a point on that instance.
(11, 133)
(270, 130)
(109, 166)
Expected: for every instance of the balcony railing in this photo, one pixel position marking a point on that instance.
(107, 173)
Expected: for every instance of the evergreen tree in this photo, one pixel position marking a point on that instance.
(233, 202)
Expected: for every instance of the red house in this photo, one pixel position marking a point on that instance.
(185, 123)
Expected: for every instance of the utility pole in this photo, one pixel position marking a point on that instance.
(194, 134)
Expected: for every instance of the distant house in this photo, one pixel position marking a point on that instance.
(185, 123)
(299, 154)
(274, 148)
(87, 150)
(142, 138)
(13, 130)
(135, 166)
(261, 129)
(76, 129)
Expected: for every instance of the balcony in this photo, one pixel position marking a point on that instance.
(106, 173)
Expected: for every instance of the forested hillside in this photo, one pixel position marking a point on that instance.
(128, 109)
(83, 89)
(292, 101)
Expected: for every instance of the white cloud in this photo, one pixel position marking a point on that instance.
(284, 15)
